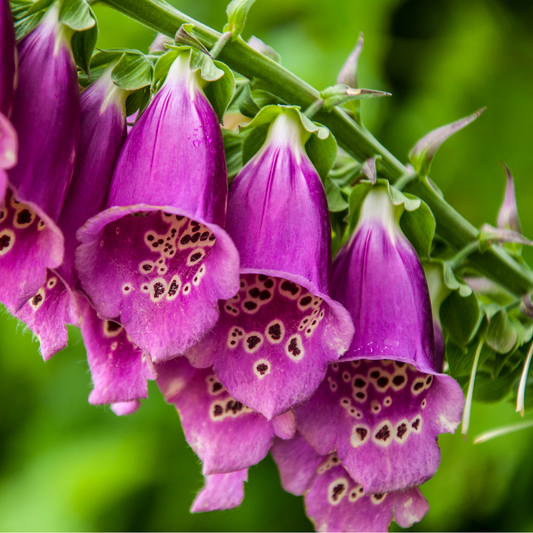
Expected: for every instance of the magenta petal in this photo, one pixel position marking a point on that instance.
(382, 417)
(125, 408)
(119, 368)
(225, 434)
(221, 491)
(7, 58)
(46, 116)
(30, 243)
(284, 425)
(48, 312)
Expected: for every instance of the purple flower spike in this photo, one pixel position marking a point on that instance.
(157, 260)
(221, 491)
(333, 500)
(7, 58)
(272, 343)
(46, 118)
(383, 410)
(224, 433)
(119, 368)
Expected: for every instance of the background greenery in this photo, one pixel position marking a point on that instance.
(65, 465)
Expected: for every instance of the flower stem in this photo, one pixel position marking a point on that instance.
(505, 430)
(521, 395)
(356, 140)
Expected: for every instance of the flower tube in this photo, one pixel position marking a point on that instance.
(272, 343)
(383, 409)
(157, 259)
(46, 118)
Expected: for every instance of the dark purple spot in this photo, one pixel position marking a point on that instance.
(195, 257)
(36, 299)
(234, 406)
(212, 238)
(253, 341)
(334, 459)
(337, 491)
(415, 424)
(159, 289)
(145, 287)
(428, 380)
(361, 490)
(269, 283)
(218, 410)
(293, 348)
(166, 214)
(262, 277)
(398, 380)
(173, 289)
(150, 238)
(228, 307)
(375, 374)
(204, 236)
(160, 241)
(4, 241)
(242, 285)
(185, 239)
(265, 295)
(233, 334)
(178, 218)
(418, 386)
(360, 395)
(275, 332)
(399, 365)
(306, 300)
(402, 430)
(250, 305)
(362, 432)
(126, 289)
(378, 496)
(255, 292)
(289, 286)
(195, 237)
(155, 245)
(359, 383)
(383, 433)
(383, 382)
(217, 386)
(262, 368)
(313, 323)
(113, 326)
(24, 217)
(147, 268)
(233, 343)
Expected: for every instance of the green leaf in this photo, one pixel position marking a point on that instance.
(461, 358)
(209, 70)
(26, 25)
(133, 71)
(247, 105)
(501, 335)
(336, 201)
(237, 11)
(489, 389)
(253, 141)
(76, 14)
(419, 227)
(184, 38)
(221, 90)
(460, 317)
(35, 7)
(138, 101)
(162, 67)
(233, 151)
(83, 44)
(355, 202)
(322, 152)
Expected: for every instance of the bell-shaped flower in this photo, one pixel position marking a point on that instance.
(225, 434)
(7, 58)
(274, 338)
(46, 118)
(102, 134)
(383, 409)
(157, 259)
(335, 501)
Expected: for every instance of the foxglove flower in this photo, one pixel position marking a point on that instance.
(7, 58)
(383, 410)
(336, 502)
(221, 491)
(8, 158)
(157, 259)
(272, 343)
(102, 135)
(223, 432)
(46, 118)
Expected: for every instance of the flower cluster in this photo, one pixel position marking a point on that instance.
(229, 301)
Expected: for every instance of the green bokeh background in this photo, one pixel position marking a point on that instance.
(68, 466)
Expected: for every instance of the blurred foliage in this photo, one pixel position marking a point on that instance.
(68, 466)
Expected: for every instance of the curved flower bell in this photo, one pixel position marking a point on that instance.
(157, 259)
(272, 343)
(46, 118)
(7, 58)
(336, 502)
(383, 410)
(225, 434)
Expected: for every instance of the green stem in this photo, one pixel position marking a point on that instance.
(352, 137)
(461, 255)
(217, 47)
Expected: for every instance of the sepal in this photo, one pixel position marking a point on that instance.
(259, 46)
(237, 11)
(340, 94)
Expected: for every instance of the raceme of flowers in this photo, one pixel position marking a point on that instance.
(230, 302)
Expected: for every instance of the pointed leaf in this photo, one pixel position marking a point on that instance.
(508, 215)
(221, 90)
(185, 38)
(322, 152)
(76, 14)
(348, 73)
(83, 44)
(336, 201)
(501, 335)
(460, 317)
(489, 235)
(369, 169)
(132, 72)
(237, 11)
(419, 227)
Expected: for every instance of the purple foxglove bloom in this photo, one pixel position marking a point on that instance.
(272, 343)
(7, 58)
(224, 433)
(157, 260)
(383, 410)
(221, 491)
(8, 158)
(46, 118)
(102, 134)
(336, 502)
